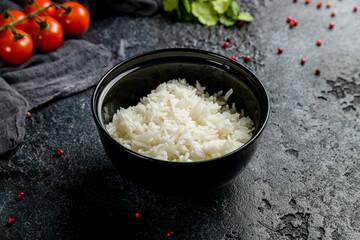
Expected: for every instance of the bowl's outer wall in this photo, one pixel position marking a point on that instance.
(178, 178)
(127, 82)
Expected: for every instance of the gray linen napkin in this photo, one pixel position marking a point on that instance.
(137, 7)
(47, 76)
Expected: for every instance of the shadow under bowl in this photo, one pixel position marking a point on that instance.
(130, 80)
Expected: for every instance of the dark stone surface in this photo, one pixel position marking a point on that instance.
(303, 182)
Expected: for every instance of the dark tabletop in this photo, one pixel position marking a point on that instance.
(302, 183)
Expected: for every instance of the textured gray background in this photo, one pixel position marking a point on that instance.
(303, 182)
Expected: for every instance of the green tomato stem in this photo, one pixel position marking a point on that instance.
(7, 14)
(17, 35)
(33, 14)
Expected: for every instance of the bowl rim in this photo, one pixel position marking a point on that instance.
(159, 51)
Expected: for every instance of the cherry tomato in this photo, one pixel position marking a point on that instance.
(76, 21)
(42, 3)
(50, 35)
(15, 51)
(17, 15)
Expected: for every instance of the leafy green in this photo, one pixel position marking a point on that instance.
(233, 10)
(220, 6)
(245, 17)
(231, 15)
(204, 12)
(208, 12)
(187, 5)
(170, 5)
(184, 10)
(228, 22)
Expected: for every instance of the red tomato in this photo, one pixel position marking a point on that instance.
(15, 51)
(17, 15)
(50, 35)
(42, 3)
(76, 21)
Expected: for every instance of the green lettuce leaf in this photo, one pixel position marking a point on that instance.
(187, 5)
(184, 10)
(245, 17)
(220, 6)
(170, 5)
(233, 10)
(204, 12)
(228, 22)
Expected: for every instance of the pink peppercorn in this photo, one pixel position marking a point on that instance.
(138, 215)
(59, 152)
(331, 25)
(319, 4)
(247, 58)
(169, 234)
(318, 42)
(226, 45)
(280, 50)
(355, 9)
(307, 1)
(303, 61)
(241, 23)
(11, 221)
(20, 195)
(293, 23)
(288, 19)
(233, 58)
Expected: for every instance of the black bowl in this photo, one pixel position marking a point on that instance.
(127, 82)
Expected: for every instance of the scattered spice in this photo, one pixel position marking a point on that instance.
(241, 23)
(355, 9)
(233, 58)
(302, 61)
(317, 72)
(11, 221)
(328, 4)
(20, 195)
(247, 58)
(226, 45)
(280, 50)
(318, 42)
(138, 215)
(307, 1)
(228, 39)
(28, 114)
(331, 25)
(333, 13)
(289, 18)
(319, 4)
(59, 152)
(295, 1)
(47, 172)
(169, 234)
(293, 23)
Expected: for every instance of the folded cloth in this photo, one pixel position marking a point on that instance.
(13, 109)
(136, 7)
(45, 77)
(75, 66)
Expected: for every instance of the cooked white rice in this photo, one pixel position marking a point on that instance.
(178, 122)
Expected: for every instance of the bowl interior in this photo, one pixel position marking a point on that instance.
(129, 81)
